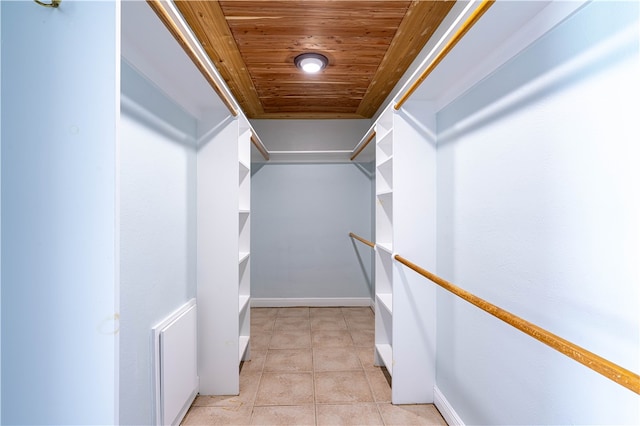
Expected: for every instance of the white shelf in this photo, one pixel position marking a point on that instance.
(243, 171)
(385, 170)
(384, 149)
(385, 203)
(244, 211)
(385, 198)
(386, 164)
(386, 301)
(243, 302)
(383, 137)
(244, 204)
(386, 354)
(384, 176)
(243, 255)
(243, 343)
(244, 167)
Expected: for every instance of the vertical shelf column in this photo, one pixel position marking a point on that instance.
(414, 238)
(224, 223)
(384, 242)
(244, 238)
(405, 224)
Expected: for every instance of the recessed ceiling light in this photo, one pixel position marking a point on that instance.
(311, 62)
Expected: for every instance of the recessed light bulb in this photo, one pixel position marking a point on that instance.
(311, 65)
(311, 62)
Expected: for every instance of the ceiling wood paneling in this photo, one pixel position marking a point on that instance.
(370, 45)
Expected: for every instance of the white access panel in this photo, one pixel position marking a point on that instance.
(176, 364)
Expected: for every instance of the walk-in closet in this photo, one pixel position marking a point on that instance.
(456, 242)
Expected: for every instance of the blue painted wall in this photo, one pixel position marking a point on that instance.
(301, 215)
(59, 249)
(157, 230)
(538, 212)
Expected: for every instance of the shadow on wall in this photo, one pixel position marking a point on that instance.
(365, 257)
(545, 68)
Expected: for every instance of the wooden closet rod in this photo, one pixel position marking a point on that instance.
(364, 145)
(260, 147)
(466, 26)
(173, 28)
(620, 375)
(367, 242)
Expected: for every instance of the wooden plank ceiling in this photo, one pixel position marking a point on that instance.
(369, 44)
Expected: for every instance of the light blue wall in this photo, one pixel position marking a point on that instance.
(538, 212)
(157, 230)
(59, 283)
(301, 215)
(310, 135)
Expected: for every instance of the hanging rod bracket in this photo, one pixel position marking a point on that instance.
(54, 3)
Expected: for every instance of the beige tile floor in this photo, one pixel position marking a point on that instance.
(311, 366)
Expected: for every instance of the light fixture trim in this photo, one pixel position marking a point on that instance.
(311, 62)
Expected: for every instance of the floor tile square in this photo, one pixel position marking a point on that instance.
(366, 356)
(294, 339)
(217, 416)
(325, 312)
(249, 385)
(342, 387)
(260, 341)
(262, 325)
(264, 313)
(328, 323)
(336, 359)
(299, 312)
(291, 323)
(352, 414)
(285, 389)
(219, 401)
(255, 364)
(360, 323)
(380, 384)
(284, 415)
(363, 337)
(405, 415)
(291, 360)
(331, 338)
(357, 311)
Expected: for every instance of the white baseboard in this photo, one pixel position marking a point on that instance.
(445, 408)
(278, 302)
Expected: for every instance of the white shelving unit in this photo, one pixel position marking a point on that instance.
(405, 224)
(224, 233)
(384, 241)
(244, 239)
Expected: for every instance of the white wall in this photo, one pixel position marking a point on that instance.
(310, 135)
(158, 230)
(538, 212)
(301, 215)
(59, 248)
